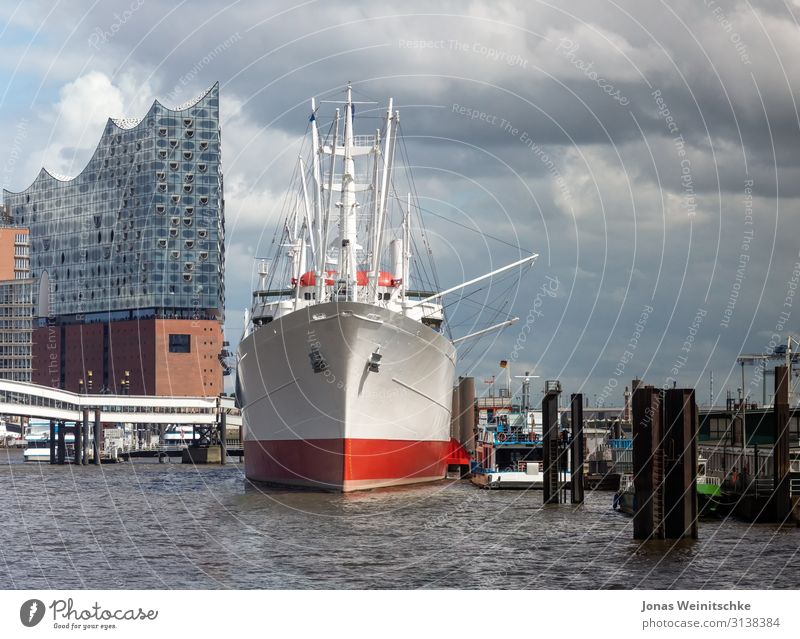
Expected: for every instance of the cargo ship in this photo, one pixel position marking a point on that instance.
(344, 371)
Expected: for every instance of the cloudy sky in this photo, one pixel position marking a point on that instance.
(647, 151)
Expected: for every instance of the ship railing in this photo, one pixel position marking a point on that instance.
(762, 485)
(620, 444)
(505, 438)
(364, 140)
(708, 479)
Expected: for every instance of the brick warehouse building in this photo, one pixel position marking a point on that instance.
(129, 258)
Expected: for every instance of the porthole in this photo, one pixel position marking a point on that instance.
(187, 155)
(189, 244)
(189, 133)
(174, 255)
(173, 166)
(162, 131)
(187, 188)
(189, 210)
(202, 168)
(160, 208)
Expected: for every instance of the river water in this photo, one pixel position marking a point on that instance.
(149, 525)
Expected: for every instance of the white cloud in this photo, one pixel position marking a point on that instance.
(70, 129)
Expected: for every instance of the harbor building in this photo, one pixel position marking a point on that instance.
(128, 258)
(16, 303)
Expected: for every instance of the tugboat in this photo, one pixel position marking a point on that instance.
(345, 372)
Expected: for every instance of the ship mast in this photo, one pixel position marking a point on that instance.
(315, 146)
(348, 207)
(380, 216)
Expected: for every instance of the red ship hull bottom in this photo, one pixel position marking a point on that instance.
(344, 465)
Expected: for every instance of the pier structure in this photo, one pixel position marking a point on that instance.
(84, 415)
(752, 453)
(664, 463)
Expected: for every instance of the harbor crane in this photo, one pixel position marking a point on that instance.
(787, 352)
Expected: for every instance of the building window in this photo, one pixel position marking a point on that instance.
(179, 343)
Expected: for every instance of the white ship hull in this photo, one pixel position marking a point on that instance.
(315, 415)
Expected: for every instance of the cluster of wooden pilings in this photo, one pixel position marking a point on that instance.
(558, 454)
(664, 463)
(84, 439)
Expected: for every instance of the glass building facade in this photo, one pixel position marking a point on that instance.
(140, 231)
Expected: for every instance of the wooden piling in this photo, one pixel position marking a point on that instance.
(162, 457)
(223, 436)
(647, 462)
(62, 442)
(86, 437)
(680, 464)
(781, 498)
(576, 458)
(551, 492)
(98, 436)
(78, 453)
(466, 402)
(455, 415)
(52, 441)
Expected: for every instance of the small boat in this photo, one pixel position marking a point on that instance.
(37, 447)
(180, 435)
(527, 476)
(708, 490)
(509, 453)
(9, 434)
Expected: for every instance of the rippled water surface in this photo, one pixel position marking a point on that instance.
(145, 525)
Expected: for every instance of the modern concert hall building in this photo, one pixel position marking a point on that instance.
(129, 258)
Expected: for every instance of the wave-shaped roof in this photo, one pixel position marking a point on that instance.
(124, 124)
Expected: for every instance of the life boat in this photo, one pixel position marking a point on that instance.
(385, 279)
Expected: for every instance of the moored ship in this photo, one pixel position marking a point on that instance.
(344, 372)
